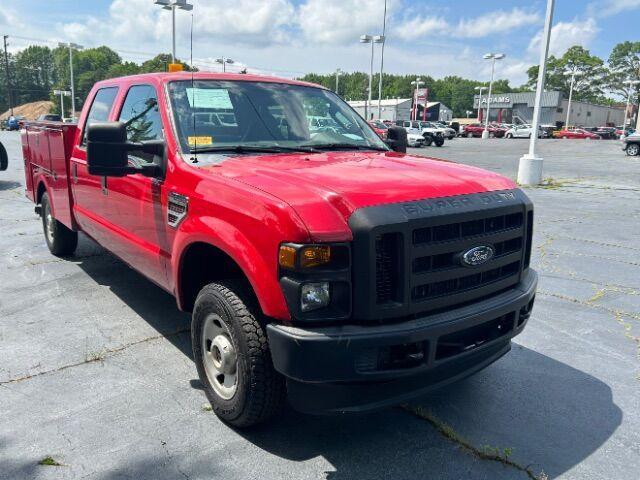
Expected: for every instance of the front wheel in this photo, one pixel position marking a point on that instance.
(469, 135)
(428, 140)
(633, 149)
(232, 356)
(439, 142)
(509, 135)
(61, 240)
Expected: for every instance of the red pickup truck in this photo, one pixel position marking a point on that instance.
(324, 265)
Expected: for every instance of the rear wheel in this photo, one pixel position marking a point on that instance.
(428, 140)
(232, 356)
(633, 149)
(61, 240)
(439, 141)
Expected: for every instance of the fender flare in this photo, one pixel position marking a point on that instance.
(240, 249)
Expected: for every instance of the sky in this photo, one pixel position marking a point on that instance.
(292, 37)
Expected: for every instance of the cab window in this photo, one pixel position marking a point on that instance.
(141, 116)
(100, 108)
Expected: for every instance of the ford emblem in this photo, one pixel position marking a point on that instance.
(478, 255)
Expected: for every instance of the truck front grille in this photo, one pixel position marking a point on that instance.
(418, 267)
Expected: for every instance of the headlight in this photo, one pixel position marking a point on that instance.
(316, 280)
(314, 296)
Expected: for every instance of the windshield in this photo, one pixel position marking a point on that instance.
(213, 115)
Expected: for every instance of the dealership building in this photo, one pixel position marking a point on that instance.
(518, 108)
(400, 109)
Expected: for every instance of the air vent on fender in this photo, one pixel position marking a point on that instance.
(177, 206)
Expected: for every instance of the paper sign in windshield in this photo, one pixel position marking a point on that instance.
(209, 98)
(200, 141)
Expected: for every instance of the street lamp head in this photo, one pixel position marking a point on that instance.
(366, 38)
(487, 56)
(499, 56)
(494, 56)
(379, 38)
(170, 4)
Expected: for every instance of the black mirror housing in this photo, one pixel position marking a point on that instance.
(397, 139)
(107, 149)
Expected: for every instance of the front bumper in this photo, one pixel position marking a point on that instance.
(348, 368)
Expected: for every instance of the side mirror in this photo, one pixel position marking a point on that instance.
(108, 151)
(397, 139)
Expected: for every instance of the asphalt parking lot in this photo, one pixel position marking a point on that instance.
(96, 369)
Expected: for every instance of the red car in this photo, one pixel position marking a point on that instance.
(476, 129)
(326, 266)
(576, 133)
(380, 128)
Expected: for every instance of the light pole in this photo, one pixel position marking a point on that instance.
(479, 90)
(384, 28)
(338, 72)
(71, 47)
(224, 61)
(530, 165)
(573, 74)
(417, 82)
(62, 93)
(631, 83)
(172, 5)
(493, 57)
(372, 39)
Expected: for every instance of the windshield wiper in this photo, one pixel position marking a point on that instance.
(349, 146)
(252, 149)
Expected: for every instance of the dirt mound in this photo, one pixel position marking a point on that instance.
(30, 111)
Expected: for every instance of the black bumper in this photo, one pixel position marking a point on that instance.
(359, 368)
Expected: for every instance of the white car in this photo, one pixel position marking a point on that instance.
(449, 133)
(523, 131)
(415, 140)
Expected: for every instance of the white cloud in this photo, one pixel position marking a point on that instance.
(567, 34)
(495, 22)
(336, 22)
(608, 8)
(420, 26)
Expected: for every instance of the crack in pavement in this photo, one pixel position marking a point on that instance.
(97, 357)
(486, 453)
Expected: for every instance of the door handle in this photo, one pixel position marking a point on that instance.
(103, 182)
(74, 173)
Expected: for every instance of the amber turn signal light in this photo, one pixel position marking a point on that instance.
(315, 255)
(309, 256)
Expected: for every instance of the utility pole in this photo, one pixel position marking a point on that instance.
(530, 165)
(338, 72)
(6, 73)
(384, 40)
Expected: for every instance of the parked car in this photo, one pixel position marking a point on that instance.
(50, 117)
(320, 266)
(432, 136)
(576, 133)
(476, 129)
(607, 133)
(415, 140)
(631, 144)
(621, 132)
(13, 123)
(523, 131)
(380, 128)
(448, 132)
(4, 158)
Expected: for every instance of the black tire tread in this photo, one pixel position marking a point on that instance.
(267, 391)
(65, 240)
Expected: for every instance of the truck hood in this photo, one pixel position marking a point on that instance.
(325, 189)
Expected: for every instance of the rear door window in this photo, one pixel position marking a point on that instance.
(100, 108)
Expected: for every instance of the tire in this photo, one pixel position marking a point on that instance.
(509, 135)
(564, 137)
(492, 135)
(469, 135)
(4, 158)
(61, 241)
(439, 142)
(633, 149)
(428, 140)
(230, 345)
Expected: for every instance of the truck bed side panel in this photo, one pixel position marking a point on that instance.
(49, 145)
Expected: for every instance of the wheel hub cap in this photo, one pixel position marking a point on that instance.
(219, 357)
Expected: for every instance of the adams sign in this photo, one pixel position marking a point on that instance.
(496, 101)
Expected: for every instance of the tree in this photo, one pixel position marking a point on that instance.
(624, 64)
(160, 63)
(590, 79)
